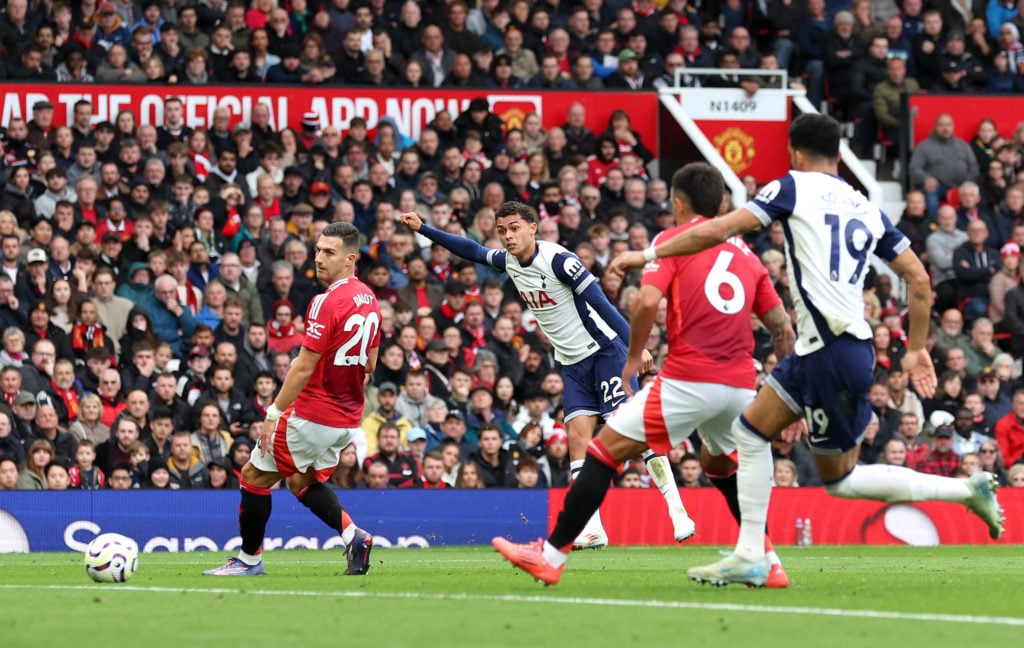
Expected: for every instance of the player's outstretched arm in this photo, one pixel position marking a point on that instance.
(302, 368)
(706, 235)
(465, 248)
(917, 362)
(645, 311)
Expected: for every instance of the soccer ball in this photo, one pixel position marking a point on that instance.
(111, 558)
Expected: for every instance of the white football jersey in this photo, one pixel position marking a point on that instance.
(831, 231)
(552, 284)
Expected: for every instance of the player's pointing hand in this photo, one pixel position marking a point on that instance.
(412, 220)
(625, 262)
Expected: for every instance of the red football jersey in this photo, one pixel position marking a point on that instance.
(343, 326)
(710, 299)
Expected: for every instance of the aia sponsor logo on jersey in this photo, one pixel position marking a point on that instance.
(314, 330)
(537, 299)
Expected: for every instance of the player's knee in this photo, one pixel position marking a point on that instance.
(841, 488)
(250, 473)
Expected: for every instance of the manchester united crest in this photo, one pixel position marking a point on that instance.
(736, 147)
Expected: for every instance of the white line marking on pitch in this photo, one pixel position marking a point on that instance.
(547, 600)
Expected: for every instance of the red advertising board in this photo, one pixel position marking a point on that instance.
(412, 109)
(638, 517)
(750, 132)
(967, 111)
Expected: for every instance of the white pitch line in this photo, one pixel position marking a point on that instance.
(548, 600)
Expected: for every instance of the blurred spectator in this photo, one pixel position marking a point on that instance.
(1009, 431)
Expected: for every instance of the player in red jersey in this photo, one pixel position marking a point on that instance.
(318, 411)
(707, 380)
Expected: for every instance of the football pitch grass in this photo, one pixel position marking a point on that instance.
(469, 596)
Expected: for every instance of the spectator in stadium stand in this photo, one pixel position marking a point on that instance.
(497, 468)
(974, 265)
(886, 97)
(927, 47)
(72, 68)
(981, 351)
(811, 35)
(916, 451)
(435, 56)
(402, 469)
(1009, 431)
(374, 71)
(118, 68)
(689, 46)
(238, 287)
(186, 470)
(942, 161)
(456, 32)
(1009, 42)
(171, 320)
(1006, 280)
(843, 48)
(385, 413)
(868, 72)
(628, 76)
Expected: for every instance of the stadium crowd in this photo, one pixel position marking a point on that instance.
(155, 277)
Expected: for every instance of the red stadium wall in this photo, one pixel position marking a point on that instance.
(412, 109)
(638, 517)
(967, 111)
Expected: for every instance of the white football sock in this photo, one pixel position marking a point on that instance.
(898, 484)
(348, 533)
(754, 488)
(553, 555)
(660, 470)
(575, 467)
(249, 559)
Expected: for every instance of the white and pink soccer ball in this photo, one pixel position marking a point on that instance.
(111, 558)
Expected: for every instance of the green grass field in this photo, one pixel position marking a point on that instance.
(635, 596)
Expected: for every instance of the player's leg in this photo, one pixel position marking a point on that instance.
(660, 470)
(317, 449)
(582, 412)
(843, 477)
(545, 560)
(838, 413)
(762, 420)
(721, 471)
(679, 407)
(580, 429)
(253, 513)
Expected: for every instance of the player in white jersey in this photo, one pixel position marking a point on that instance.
(587, 333)
(707, 379)
(831, 231)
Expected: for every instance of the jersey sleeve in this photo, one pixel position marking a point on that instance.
(765, 296)
(776, 200)
(892, 242)
(464, 247)
(570, 270)
(319, 323)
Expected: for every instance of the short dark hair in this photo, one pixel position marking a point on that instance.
(347, 232)
(516, 208)
(816, 135)
(701, 186)
(159, 414)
